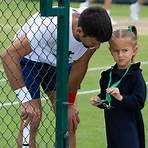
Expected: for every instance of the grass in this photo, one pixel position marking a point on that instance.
(121, 10)
(91, 131)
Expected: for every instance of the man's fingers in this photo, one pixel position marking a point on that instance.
(28, 119)
(70, 125)
(76, 120)
(73, 118)
(24, 116)
(34, 120)
(73, 122)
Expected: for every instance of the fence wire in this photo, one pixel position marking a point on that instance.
(13, 15)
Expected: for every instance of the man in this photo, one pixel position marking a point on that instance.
(31, 61)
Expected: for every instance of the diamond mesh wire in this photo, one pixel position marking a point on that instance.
(13, 15)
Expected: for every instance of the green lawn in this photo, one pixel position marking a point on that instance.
(121, 10)
(91, 131)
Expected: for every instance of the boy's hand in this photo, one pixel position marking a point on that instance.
(115, 93)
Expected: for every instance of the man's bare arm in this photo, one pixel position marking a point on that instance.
(78, 71)
(11, 61)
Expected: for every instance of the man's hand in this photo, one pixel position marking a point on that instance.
(30, 112)
(73, 118)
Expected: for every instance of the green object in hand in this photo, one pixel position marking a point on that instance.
(107, 101)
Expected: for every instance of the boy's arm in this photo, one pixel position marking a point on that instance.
(77, 73)
(11, 61)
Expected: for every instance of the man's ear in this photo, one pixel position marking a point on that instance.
(79, 31)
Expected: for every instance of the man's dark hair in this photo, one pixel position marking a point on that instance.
(95, 22)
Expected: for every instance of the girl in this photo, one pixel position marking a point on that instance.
(123, 93)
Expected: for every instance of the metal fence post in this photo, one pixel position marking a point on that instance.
(62, 12)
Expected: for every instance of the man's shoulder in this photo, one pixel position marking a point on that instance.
(77, 10)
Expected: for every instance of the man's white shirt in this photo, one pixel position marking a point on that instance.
(42, 35)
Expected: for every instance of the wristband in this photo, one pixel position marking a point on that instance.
(71, 97)
(23, 94)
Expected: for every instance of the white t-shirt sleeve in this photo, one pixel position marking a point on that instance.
(42, 32)
(26, 27)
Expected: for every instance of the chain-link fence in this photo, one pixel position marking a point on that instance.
(20, 21)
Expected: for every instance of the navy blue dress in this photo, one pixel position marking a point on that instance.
(124, 122)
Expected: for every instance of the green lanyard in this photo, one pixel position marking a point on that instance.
(114, 85)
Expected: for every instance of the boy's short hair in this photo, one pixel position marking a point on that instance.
(95, 22)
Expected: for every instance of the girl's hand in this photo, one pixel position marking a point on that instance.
(94, 101)
(115, 93)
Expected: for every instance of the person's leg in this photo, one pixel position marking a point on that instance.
(84, 4)
(87, 3)
(134, 11)
(107, 6)
(32, 79)
(92, 1)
